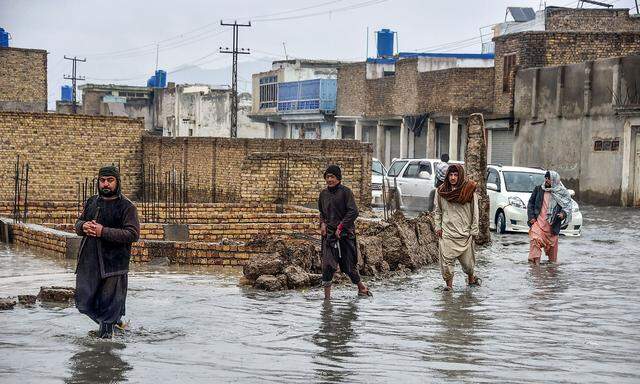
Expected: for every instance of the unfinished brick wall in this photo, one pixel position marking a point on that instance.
(540, 49)
(409, 92)
(64, 149)
(297, 179)
(23, 79)
(590, 20)
(215, 165)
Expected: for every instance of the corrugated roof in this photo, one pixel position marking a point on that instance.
(521, 14)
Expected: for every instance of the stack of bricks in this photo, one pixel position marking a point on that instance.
(23, 79)
(64, 149)
(216, 164)
(590, 20)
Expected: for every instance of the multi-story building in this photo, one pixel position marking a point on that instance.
(176, 110)
(296, 99)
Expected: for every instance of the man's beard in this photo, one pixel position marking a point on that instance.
(106, 192)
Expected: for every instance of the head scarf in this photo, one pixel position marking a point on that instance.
(110, 171)
(462, 192)
(559, 196)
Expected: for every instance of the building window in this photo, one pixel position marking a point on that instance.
(611, 145)
(268, 92)
(509, 64)
(597, 145)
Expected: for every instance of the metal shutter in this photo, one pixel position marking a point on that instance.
(501, 147)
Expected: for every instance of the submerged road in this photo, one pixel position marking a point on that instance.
(577, 321)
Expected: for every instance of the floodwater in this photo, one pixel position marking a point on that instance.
(577, 321)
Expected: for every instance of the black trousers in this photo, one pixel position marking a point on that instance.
(102, 299)
(346, 258)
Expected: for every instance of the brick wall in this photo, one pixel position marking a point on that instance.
(23, 79)
(297, 179)
(64, 149)
(590, 20)
(540, 49)
(215, 165)
(351, 89)
(409, 92)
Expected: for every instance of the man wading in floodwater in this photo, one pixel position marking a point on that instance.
(109, 224)
(338, 213)
(549, 207)
(456, 218)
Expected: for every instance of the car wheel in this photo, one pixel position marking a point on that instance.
(501, 223)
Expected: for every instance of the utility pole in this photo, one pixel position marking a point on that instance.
(234, 73)
(73, 79)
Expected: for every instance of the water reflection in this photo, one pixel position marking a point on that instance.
(458, 338)
(548, 280)
(98, 362)
(335, 333)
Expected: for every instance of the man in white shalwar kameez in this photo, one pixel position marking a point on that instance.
(456, 219)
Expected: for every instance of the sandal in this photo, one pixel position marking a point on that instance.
(365, 293)
(476, 283)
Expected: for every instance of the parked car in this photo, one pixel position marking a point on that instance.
(378, 172)
(509, 189)
(414, 180)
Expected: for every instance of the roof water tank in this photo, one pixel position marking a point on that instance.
(4, 38)
(66, 93)
(161, 79)
(385, 42)
(152, 81)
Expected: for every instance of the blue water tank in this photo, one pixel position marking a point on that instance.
(151, 82)
(66, 93)
(4, 38)
(161, 79)
(385, 42)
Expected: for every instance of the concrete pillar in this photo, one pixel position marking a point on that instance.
(357, 130)
(380, 141)
(387, 147)
(453, 137)
(431, 139)
(412, 144)
(489, 142)
(403, 139)
(287, 134)
(338, 131)
(268, 131)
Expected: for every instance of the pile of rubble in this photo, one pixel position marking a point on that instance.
(57, 295)
(399, 244)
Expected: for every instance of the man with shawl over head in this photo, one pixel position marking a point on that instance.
(109, 224)
(549, 208)
(456, 219)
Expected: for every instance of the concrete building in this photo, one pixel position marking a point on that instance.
(413, 105)
(23, 79)
(296, 99)
(177, 110)
(584, 121)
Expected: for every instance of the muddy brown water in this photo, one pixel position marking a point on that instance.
(578, 321)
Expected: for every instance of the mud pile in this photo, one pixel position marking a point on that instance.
(398, 244)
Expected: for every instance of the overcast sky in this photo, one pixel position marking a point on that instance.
(119, 37)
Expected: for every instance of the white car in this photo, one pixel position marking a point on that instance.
(509, 189)
(377, 174)
(414, 180)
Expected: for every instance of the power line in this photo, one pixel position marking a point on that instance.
(73, 79)
(234, 73)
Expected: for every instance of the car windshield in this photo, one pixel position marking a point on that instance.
(377, 168)
(522, 181)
